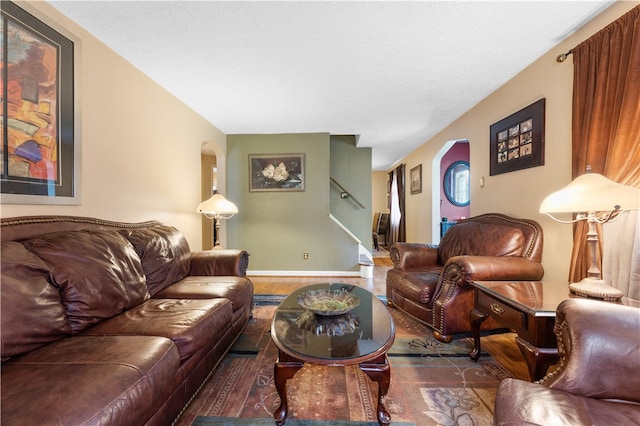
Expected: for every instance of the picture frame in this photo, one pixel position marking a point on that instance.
(415, 179)
(40, 152)
(517, 141)
(276, 172)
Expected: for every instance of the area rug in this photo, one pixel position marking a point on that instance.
(431, 383)
(235, 421)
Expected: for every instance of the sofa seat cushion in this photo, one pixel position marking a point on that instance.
(98, 273)
(520, 402)
(89, 380)
(481, 239)
(164, 252)
(191, 324)
(31, 309)
(415, 284)
(239, 290)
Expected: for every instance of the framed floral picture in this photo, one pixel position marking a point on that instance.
(276, 172)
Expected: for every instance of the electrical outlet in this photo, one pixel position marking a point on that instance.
(305, 255)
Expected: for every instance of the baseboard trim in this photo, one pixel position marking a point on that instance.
(303, 273)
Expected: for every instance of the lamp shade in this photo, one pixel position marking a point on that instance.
(591, 192)
(217, 206)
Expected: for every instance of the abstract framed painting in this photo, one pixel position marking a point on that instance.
(39, 151)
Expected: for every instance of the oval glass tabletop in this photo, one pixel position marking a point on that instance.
(362, 331)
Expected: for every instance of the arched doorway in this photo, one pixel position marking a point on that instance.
(209, 173)
(452, 207)
(213, 178)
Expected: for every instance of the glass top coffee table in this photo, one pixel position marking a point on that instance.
(362, 336)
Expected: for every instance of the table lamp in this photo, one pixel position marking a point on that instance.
(595, 199)
(217, 207)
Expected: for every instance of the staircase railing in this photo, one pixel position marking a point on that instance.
(345, 193)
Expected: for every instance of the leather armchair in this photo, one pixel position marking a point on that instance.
(596, 381)
(432, 283)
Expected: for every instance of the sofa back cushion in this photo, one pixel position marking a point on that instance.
(98, 273)
(32, 313)
(164, 252)
(481, 239)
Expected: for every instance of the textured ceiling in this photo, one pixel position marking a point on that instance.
(393, 73)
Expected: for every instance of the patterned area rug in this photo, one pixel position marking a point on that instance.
(431, 383)
(235, 421)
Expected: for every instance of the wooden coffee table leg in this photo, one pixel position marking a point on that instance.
(476, 318)
(379, 371)
(285, 368)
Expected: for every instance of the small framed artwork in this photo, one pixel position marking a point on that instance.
(415, 176)
(517, 142)
(276, 172)
(40, 148)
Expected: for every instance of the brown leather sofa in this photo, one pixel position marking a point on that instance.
(597, 381)
(111, 323)
(432, 283)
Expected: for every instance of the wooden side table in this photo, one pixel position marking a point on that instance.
(528, 308)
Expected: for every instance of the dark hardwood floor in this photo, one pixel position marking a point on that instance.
(501, 346)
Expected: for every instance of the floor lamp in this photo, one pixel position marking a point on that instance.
(595, 199)
(217, 207)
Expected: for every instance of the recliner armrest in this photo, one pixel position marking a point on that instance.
(413, 255)
(219, 262)
(599, 347)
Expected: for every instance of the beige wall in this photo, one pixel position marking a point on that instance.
(140, 145)
(517, 193)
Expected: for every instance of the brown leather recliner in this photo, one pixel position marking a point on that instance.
(432, 283)
(597, 380)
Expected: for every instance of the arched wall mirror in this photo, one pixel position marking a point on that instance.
(456, 183)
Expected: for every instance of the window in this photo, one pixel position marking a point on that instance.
(456, 183)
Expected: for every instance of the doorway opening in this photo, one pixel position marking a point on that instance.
(450, 187)
(209, 172)
(212, 171)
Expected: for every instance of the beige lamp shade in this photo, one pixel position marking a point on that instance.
(591, 192)
(217, 206)
(587, 195)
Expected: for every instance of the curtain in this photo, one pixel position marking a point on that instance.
(621, 257)
(397, 230)
(606, 133)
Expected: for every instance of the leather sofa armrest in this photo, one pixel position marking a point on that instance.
(461, 270)
(413, 255)
(598, 344)
(219, 262)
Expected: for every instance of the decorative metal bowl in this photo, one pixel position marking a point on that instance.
(337, 325)
(328, 302)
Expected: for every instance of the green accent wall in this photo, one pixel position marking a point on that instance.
(277, 228)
